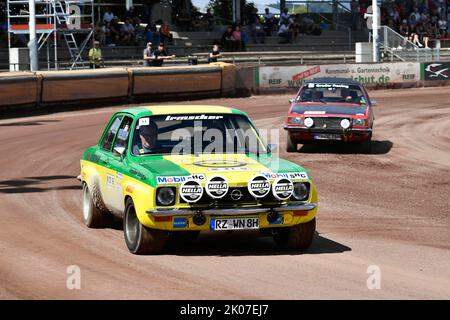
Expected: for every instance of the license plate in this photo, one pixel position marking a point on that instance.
(234, 224)
(327, 136)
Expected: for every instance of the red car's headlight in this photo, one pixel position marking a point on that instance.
(360, 122)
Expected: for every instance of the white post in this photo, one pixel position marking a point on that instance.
(128, 4)
(375, 26)
(32, 45)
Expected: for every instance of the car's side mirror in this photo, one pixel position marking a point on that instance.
(120, 151)
(271, 147)
(373, 102)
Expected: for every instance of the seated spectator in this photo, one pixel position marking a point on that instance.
(128, 33)
(405, 31)
(100, 33)
(442, 25)
(183, 21)
(269, 22)
(148, 55)
(114, 30)
(422, 34)
(108, 16)
(285, 17)
(151, 33)
(159, 55)
(164, 33)
(307, 25)
(227, 39)
(214, 54)
(285, 33)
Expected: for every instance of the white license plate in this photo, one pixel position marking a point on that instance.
(234, 224)
(327, 136)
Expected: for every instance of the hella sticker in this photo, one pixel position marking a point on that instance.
(191, 191)
(259, 186)
(216, 187)
(282, 188)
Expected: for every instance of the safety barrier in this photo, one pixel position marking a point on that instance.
(218, 79)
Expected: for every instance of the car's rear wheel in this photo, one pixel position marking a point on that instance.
(298, 237)
(93, 217)
(291, 144)
(140, 239)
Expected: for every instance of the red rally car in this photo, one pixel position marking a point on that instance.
(336, 109)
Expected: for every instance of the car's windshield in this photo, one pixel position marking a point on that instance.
(196, 133)
(331, 93)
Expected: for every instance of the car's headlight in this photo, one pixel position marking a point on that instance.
(301, 191)
(295, 120)
(359, 122)
(165, 196)
(309, 122)
(345, 123)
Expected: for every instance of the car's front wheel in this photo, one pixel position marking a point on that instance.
(298, 237)
(93, 217)
(291, 144)
(140, 239)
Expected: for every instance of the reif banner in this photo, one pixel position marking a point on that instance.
(381, 74)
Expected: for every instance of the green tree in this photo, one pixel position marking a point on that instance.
(224, 9)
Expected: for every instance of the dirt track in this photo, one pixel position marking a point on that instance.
(390, 209)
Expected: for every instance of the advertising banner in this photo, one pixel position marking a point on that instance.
(379, 74)
(436, 71)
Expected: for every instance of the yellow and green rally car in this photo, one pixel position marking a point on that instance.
(178, 170)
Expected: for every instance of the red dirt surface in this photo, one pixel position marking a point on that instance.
(390, 208)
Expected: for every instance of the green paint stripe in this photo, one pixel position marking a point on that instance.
(256, 78)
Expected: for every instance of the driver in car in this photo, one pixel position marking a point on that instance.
(148, 135)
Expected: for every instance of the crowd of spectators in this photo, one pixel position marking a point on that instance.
(418, 21)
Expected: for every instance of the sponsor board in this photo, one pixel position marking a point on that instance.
(286, 175)
(179, 179)
(382, 74)
(436, 71)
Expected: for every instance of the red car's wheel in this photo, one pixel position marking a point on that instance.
(291, 144)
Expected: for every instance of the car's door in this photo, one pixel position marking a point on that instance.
(118, 164)
(105, 171)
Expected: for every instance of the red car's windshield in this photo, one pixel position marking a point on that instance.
(331, 93)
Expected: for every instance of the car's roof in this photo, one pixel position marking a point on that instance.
(332, 80)
(180, 109)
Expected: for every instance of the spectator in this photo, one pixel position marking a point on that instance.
(237, 38)
(422, 35)
(208, 20)
(285, 17)
(442, 25)
(151, 33)
(95, 56)
(404, 30)
(448, 18)
(148, 55)
(256, 28)
(269, 22)
(114, 30)
(164, 33)
(307, 25)
(128, 33)
(108, 16)
(100, 33)
(159, 55)
(214, 54)
(227, 39)
(285, 33)
(183, 20)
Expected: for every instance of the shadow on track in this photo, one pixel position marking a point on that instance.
(35, 184)
(247, 244)
(378, 147)
(27, 123)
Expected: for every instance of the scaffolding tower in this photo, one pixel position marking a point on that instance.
(70, 22)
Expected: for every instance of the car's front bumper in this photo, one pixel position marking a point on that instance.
(327, 130)
(230, 211)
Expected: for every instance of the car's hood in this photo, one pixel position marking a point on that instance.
(329, 108)
(237, 169)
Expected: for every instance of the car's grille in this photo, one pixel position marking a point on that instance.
(231, 198)
(327, 123)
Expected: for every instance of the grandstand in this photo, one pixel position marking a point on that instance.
(341, 23)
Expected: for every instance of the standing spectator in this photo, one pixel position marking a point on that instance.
(100, 33)
(269, 22)
(164, 33)
(208, 20)
(285, 16)
(148, 55)
(237, 38)
(95, 56)
(214, 54)
(159, 55)
(227, 39)
(108, 16)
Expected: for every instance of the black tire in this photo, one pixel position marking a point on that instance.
(140, 239)
(93, 217)
(291, 145)
(298, 237)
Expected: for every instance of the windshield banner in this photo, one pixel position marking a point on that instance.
(380, 74)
